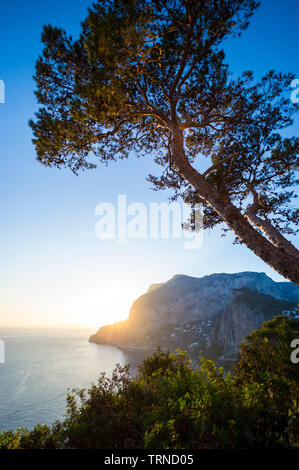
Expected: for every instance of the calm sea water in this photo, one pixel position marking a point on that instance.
(40, 367)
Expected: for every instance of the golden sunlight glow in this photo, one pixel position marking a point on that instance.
(70, 301)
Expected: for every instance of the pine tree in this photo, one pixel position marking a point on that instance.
(149, 76)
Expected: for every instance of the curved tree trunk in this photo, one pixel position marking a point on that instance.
(281, 259)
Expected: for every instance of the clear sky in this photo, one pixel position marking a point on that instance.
(54, 270)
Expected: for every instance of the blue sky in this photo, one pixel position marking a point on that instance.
(54, 270)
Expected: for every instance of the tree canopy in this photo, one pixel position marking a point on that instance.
(150, 77)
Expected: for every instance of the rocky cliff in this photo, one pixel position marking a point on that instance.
(209, 316)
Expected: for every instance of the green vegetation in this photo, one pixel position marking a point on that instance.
(169, 405)
(262, 302)
(150, 77)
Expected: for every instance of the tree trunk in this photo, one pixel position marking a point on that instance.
(282, 261)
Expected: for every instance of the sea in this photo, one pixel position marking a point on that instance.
(39, 367)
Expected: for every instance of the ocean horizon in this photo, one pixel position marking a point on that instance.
(42, 365)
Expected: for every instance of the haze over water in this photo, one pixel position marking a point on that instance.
(41, 365)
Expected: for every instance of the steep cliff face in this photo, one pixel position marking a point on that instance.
(246, 312)
(208, 316)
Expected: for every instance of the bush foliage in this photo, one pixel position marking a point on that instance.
(168, 405)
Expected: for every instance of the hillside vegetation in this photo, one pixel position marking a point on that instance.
(169, 405)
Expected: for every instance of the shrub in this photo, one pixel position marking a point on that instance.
(169, 405)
